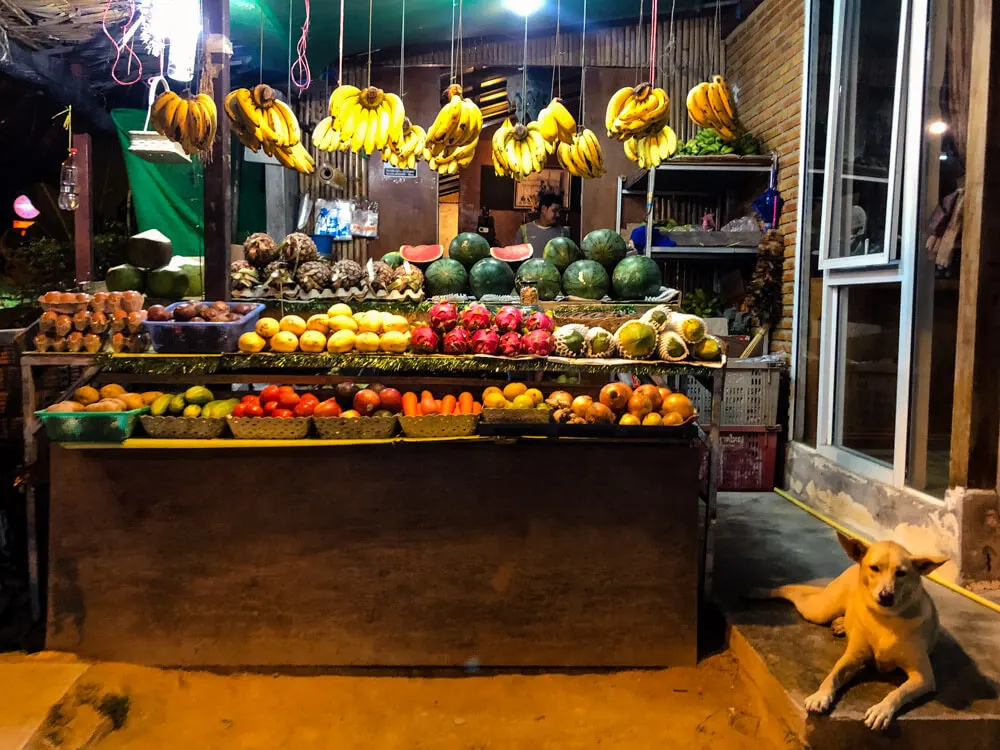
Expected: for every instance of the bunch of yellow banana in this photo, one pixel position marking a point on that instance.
(710, 105)
(452, 160)
(189, 121)
(557, 124)
(583, 157)
(409, 149)
(457, 125)
(519, 150)
(262, 122)
(363, 120)
(650, 150)
(636, 112)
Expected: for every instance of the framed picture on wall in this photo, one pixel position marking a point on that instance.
(547, 181)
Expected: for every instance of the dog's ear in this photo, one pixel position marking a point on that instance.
(927, 565)
(855, 548)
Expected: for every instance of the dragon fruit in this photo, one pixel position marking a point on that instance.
(444, 317)
(424, 340)
(538, 321)
(510, 344)
(485, 341)
(538, 342)
(476, 317)
(508, 319)
(457, 341)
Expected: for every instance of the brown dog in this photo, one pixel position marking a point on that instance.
(889, 619)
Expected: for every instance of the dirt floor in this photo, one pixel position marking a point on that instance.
(703, 707)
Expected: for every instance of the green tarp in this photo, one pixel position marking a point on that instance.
(167, 197)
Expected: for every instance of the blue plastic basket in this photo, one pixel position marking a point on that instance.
(90, 426)
(175, 337)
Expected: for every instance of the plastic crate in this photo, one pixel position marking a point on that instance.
(90, 427)
(175, 337)
(749, 455)
(750, 398)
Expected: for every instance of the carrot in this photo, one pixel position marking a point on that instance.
(465, 403)
(410, 404)
(437, 403)
(477, 408)
(448, 404)
(426, 396)
(429, 405)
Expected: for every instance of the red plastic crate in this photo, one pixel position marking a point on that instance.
(749, 455)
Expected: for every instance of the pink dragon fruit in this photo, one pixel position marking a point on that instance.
(485, 341)
(539, 342)
(508, 319)
(476, 317)
(423, 340)
(510, 344)
(444, 317)
(538, 321)
(456, 341)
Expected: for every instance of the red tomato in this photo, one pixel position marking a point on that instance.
(269, 394)
(328, 408)
(238, 411)
(311, 397)
(250, 399)
(285, 389)
(305, 409)
(288, 399)
(252, 410)
(282, 413)
(269, 407)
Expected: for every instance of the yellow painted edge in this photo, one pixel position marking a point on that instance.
(217, 443)
(951, 586)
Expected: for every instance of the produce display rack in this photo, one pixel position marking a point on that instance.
(327, 369)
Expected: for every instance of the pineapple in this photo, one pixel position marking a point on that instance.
(260, 250)
(277, 276)
(380, 277)
(407, 278)
(347, 275)
(243, 275)
(313, 275)
(298, 248)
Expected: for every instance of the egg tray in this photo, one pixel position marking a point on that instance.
(183, 428)
(358, 428)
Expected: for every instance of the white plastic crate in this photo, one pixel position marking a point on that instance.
(751, 395)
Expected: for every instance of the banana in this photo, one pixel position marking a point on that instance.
(290, 121)
(397, 114)
(718, 109)
(342, 95)
(357, 134)
(565, 121)
(371, 131)
(698, 106)
(726, 97)
(670, 137)
(615, 105)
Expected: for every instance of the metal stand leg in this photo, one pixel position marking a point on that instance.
(714, 475)
(28, 406)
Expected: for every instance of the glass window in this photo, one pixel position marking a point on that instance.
(867, 355)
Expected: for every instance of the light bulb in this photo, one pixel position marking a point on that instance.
(938, 127)
(523, 7)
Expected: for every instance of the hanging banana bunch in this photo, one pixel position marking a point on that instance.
(410, 148)
(557, 124)
(636, 112)
(189, 121)
(651, 150)
(262, 122)
(456, 128)
(519, 150)
(582, 157)
(711, 105)
(361, 120)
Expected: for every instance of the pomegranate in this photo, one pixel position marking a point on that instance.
(486, 341)
(424, 340)
(539, 343)
(510, 344)
(443, 317)
(457, 341)
(538, 321)
(508, 319)
(476, 317)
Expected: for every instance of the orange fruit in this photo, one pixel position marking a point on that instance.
(639, 405)
(319, 322)
(580, 406)
(494, 400)
(267, 327)
(491, 389)
(629, 420)
(678, 403)
(285, 342)
(664, 392)
(652, 420)
(312, 341)
(653, 394)
(513, 390)
(293, 324)
(251, 342)
(672, 419)
(536, 396)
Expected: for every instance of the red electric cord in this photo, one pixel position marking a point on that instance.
(652, 43)
(123, 45)
(303, 78)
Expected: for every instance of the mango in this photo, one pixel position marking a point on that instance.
(132, 401)
(150, 396)
(86, 395)
(66, 406)
(111, 390)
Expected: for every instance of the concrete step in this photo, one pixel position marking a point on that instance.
(764, 541)
(29, 687)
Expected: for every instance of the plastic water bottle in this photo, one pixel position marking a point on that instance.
(68, 198)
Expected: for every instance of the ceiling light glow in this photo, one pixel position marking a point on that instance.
(523, 7)
(938, 127)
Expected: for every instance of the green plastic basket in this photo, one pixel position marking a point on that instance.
(90, 426)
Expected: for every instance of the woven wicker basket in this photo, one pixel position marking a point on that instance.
(610, 323)
(515, 416)
(269, 428)
(361, 428)
(439, 426)
(178, 428)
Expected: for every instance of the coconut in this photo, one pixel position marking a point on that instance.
(149, 249)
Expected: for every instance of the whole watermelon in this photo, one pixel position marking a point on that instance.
(491, 276)
(393, 259)
(587, 279)
(548, 280)
(636, 277)
(561, 252)
(445, 276)
(468, 248)
(605, 246)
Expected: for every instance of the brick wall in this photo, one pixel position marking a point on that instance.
(764, 67)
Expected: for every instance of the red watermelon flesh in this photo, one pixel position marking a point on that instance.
(421, 254)
(513, 253)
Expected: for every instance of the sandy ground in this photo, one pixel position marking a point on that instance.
(703, 707)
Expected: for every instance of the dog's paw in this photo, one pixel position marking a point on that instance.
(879, 716)
(838, 627)
(819, 702)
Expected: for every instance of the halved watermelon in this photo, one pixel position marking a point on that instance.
(513, 253)
(421, 255)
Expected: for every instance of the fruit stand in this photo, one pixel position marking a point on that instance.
(554, 543)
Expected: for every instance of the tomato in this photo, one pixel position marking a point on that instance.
(250, 399)
(285, 389)
(237, 411)
(305, 409)
(252, 410)
(281, 413)
(269, 394)
(288, 399)
(269, 407)
(328, 408)
(311, 397)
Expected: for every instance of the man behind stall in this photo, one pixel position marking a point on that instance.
(546, 227)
